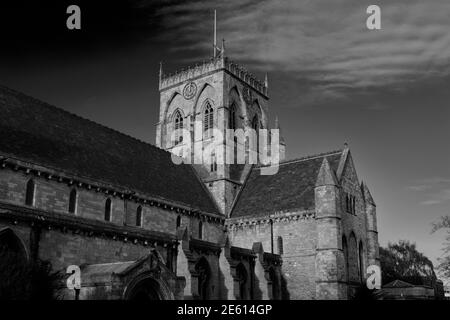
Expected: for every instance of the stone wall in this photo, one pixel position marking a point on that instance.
(298, 234)
(52, 195)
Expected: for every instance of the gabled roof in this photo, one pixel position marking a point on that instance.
(292, 188)
(35, 132)
(366, 193)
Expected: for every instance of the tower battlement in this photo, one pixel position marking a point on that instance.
(214, 64)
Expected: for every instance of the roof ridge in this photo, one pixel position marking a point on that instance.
(309, 157)
(48, 105)
(151, 154)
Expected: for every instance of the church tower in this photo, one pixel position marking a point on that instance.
(218, 94)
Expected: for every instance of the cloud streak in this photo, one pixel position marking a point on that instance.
(325, 43)
(436, 190)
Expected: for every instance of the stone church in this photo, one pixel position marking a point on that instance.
(139, 226)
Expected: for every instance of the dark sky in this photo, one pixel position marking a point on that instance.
(331, 80)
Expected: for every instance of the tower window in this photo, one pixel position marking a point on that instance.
(178, 128)
(73, 201)
(255, 124)
(232, 116)
(178, 221)
(108, 207)
(139, 217)
(29, 195)
(208, 121)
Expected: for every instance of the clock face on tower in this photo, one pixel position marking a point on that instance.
(189, 90)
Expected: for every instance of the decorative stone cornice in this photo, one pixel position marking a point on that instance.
(88, 227)
(202, 246)
(237, 253)
(106, 188)
(267, 219)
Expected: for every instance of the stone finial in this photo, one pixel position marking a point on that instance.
(266, 81)
(346, 145)
(160, 70)
(366, 193)
(326, 176)
(223, 48)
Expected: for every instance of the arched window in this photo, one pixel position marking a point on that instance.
(203, 273)
(29, 195)
(232, 116)
(242, 278)
(178, 127)
(208, 120)
(280, 245)
(255, 126)
(73, 201)
(345, 250)
(361, 261)
(178, 221)
(353, 258)
(139, 217)
(255, 122)
(108, 210)
(13, 263)
(200, 230)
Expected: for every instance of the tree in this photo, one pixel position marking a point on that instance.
(402, 261)
(27, 281)
(444, 262)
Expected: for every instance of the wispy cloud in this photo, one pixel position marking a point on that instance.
(437, 198)
(324, 42)
(436, 190)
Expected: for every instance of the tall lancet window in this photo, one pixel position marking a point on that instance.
(139, 217)
(208, 120)
(73, 201)
(200, 230)
(232, 116)
(108, 206)
(29, 196)
(255, 126)
(178, 127)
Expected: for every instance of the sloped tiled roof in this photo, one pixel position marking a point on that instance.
(292, 188)
(33, 131)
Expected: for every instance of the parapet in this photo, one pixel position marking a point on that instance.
(214, 64)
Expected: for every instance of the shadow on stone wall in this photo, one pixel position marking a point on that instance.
(284, 290)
